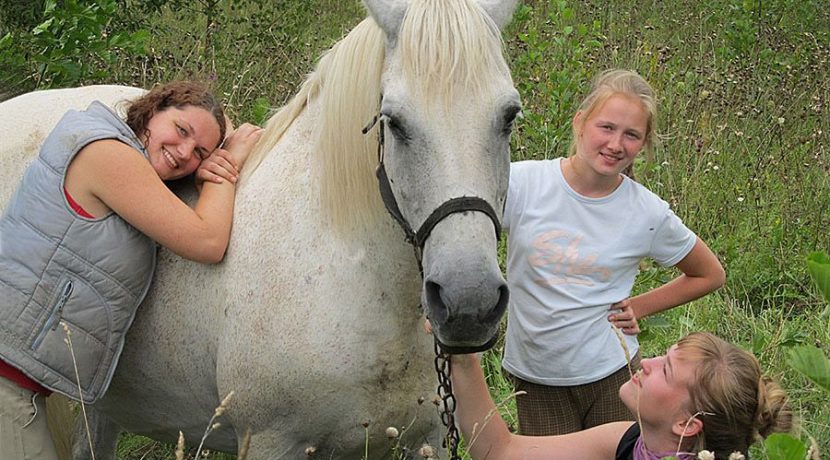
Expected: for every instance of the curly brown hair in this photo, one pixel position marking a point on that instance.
(178, 94)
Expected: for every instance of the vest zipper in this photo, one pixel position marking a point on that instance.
(54, 318)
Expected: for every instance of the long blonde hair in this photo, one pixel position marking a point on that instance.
(729, 394)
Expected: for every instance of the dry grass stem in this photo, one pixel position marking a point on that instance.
(68, 342)
(490, 415)
(689, 421)
(212, 425)
(244, 445)
(627, 352)
(180, 447)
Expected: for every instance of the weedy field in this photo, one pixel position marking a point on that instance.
(744, 89)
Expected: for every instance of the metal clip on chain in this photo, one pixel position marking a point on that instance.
(443, 368)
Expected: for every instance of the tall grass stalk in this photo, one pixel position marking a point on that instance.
(68, 341)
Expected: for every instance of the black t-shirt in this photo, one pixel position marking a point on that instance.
(625, 449)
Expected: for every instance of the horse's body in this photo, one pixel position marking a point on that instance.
(312, 319)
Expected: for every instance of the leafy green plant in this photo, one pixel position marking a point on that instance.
(811, 362)
(73, 43)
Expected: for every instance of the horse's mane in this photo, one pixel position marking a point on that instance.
(444, 46)
(447, 46)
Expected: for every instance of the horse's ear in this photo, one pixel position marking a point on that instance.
(500, 11)
(389, 15)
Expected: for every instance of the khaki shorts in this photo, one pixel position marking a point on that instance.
(23, 431)
(547, 410)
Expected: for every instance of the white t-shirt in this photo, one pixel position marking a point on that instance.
(569, 257)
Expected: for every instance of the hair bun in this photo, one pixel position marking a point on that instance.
(774, 412)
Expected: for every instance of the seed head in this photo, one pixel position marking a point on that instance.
(223, 405)
(392, 432)
(427, 451)
(180, 447)
(309, 451)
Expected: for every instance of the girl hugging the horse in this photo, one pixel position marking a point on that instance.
(78, 242)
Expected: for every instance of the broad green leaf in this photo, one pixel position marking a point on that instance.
(818, 264)
(785, 447)
(42, 27)
(811, 362)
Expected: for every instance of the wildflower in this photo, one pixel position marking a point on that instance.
(740, 199)
(703, 95)
(705, 455)
(427, 451)
(392, 432)
(309, 451)
(736, 456)
(781, 120)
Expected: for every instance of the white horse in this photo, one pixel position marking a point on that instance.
(313, 319)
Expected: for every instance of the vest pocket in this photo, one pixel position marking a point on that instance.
(67, 288)
(77, 304)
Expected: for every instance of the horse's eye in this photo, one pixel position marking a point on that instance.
(397, 128)
(509, 116)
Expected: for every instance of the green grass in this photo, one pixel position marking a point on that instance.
(744, 94)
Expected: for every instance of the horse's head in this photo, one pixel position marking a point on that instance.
(447, 109)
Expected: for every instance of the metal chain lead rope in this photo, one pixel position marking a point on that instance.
(443, 368)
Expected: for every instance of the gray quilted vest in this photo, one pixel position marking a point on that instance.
(59, 268)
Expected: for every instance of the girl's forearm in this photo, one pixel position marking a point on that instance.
(481, 424)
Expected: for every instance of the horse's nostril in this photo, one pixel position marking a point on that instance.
(496, 312)
(437, 306)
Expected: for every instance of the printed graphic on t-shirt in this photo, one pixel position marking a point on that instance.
(558, 254)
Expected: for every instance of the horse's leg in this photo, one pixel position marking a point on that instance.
(104, 434)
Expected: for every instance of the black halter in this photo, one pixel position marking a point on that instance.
(453, 205)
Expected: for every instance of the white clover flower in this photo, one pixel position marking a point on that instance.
(781, 120)
(736, 456)
(705, 455)
(740, 199)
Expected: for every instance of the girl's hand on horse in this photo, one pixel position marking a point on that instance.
(427, 326)
(241, 142)
(218, 167)
(624, 319)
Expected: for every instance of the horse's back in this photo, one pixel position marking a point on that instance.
(26, 120)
